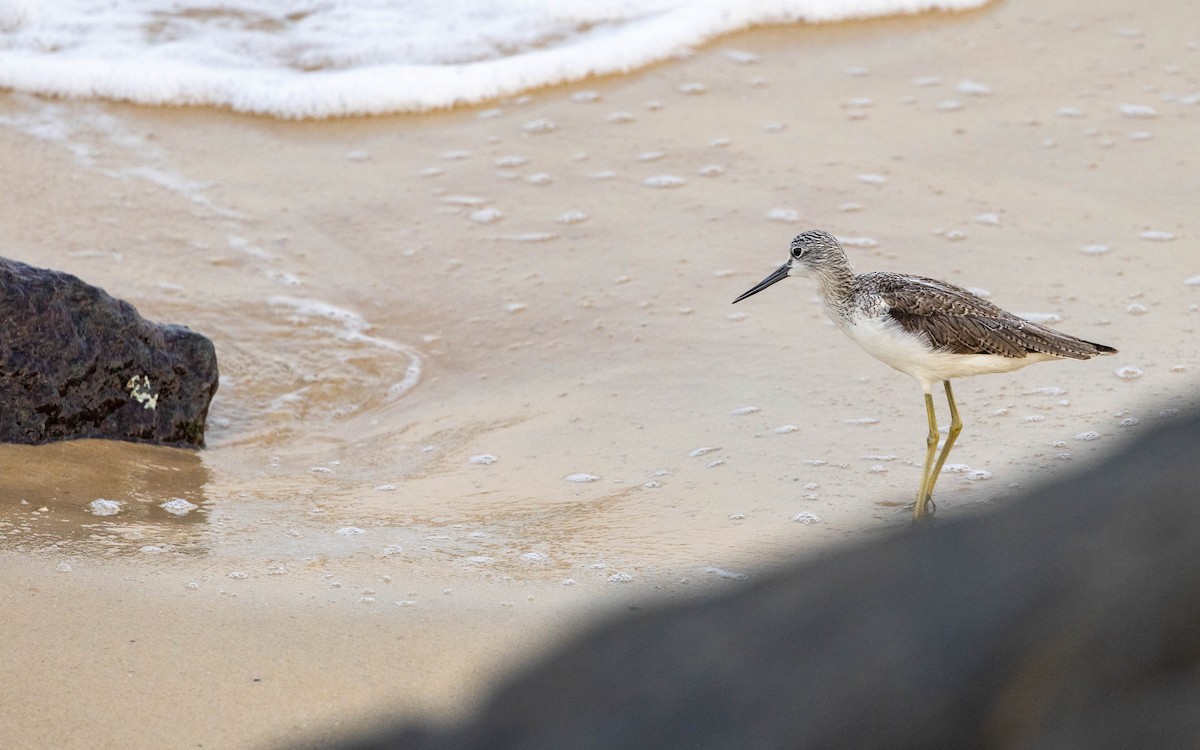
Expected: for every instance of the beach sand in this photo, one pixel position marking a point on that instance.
(560, 269)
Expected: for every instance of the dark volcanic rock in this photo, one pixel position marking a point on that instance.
(77, 363)
(1067, 619)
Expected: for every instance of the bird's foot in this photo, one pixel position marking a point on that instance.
(923, 513)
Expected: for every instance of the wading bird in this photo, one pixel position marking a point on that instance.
(930, 330)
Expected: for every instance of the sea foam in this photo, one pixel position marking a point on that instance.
(299, 59)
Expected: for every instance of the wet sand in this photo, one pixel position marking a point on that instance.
(546, 281)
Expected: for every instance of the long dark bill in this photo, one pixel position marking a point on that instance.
(779, 274)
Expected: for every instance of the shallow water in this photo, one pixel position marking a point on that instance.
(536, 282)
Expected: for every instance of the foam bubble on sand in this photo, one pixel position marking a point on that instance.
(102, 507)
(1142, 111)
(531, 237)
(463, 200)
(298, 59)
(664, 181)
(722, 573)
(1049, 390)
(486, 215)
(1156, 235)
(177, 506)
(540, 125)
(742, 58)
(582, 478)
(973, 88)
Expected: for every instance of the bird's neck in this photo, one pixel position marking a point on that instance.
(835, 284)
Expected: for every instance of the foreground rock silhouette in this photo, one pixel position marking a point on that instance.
(77, 363)
(1069, 618)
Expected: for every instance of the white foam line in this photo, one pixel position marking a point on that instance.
(353, 326)
(617, 41)
(311, 308)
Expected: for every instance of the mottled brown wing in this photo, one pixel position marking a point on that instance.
(958, 321)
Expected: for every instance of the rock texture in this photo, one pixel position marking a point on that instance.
(1067, 619)
(78, 363)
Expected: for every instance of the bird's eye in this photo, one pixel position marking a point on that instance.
(797, 252)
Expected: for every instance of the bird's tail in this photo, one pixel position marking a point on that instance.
(1063, 344)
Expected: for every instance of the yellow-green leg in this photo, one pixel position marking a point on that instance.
(951, 436)
(925, 495)
(924, 507)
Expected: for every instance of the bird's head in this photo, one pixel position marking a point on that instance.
(814, 248)
(809, 251)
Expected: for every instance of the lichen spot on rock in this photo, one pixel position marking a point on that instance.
(139, 390)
